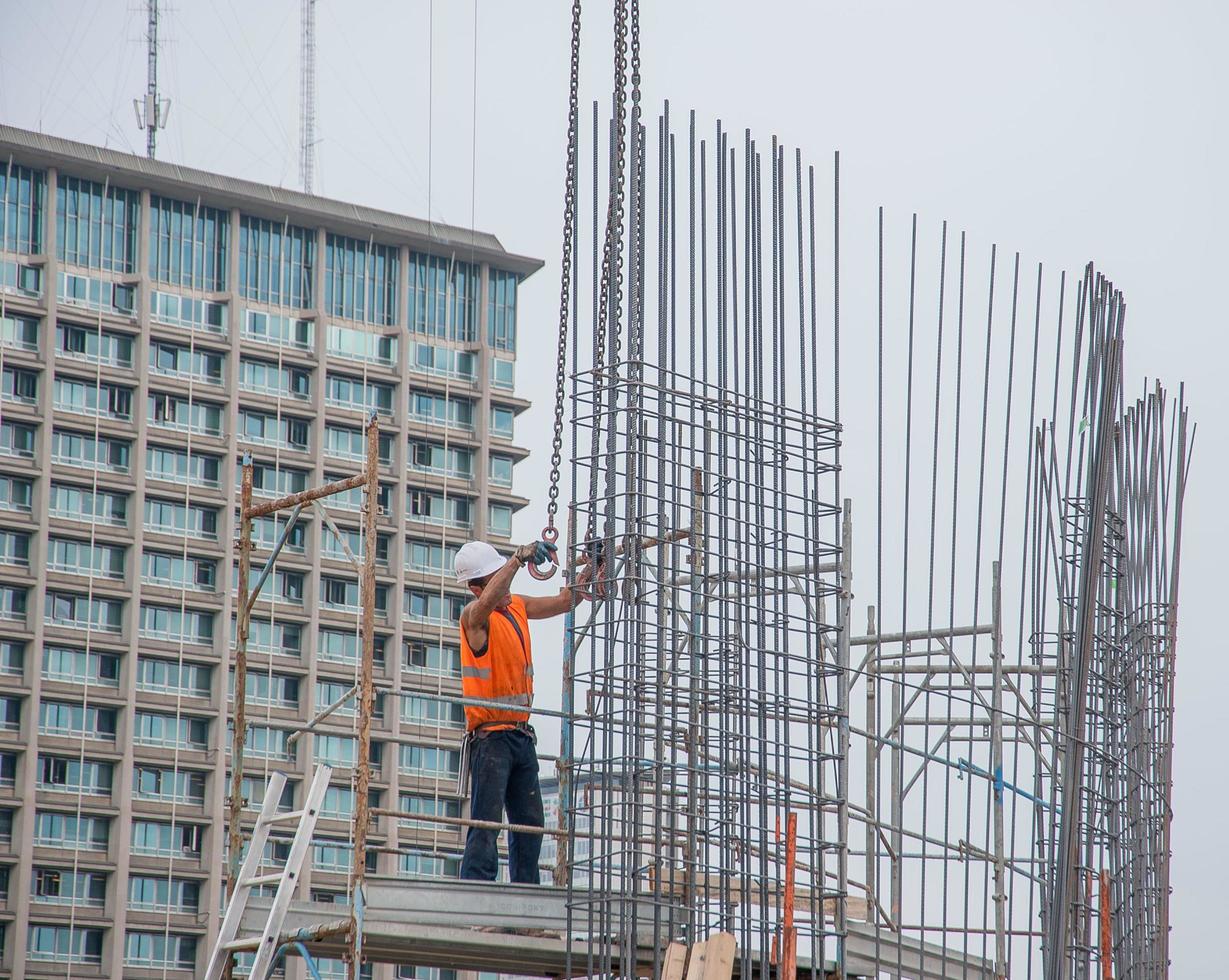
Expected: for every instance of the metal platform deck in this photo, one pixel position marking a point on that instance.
(455, 924)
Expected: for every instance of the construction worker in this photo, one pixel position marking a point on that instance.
(497, 665)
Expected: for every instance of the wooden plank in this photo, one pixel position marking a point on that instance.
(719, 957)
(695, 965)
(675, 962)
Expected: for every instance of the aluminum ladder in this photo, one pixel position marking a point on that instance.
(266, 946)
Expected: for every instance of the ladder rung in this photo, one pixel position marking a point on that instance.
(236, 945)
(270, 879)
(290, 817)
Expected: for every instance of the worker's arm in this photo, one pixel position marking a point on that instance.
(476, 616)
(544, 607)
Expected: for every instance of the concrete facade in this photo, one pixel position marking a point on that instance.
(117, 628)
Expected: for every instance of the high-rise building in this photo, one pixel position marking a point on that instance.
(156, 323)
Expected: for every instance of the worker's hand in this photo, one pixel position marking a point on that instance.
(536, 553)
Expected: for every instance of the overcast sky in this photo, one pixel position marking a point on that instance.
(1067, 131)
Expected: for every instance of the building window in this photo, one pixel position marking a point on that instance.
(435, 508)
(274, 481)
(147, 893)
(457, 413)
(342, 391)
(174, 624)
(22, 193)
(169, 785)
(342, 594)
(336, 646)
(432, 457)
(88, 506)
(72, 666)
(352, 499)
(64, 944)
(423, 865)
(346, 443)
(82, 558)
(337, 856)
(276, 262)
(16, 493)
(266, 531)
(17, 439)
(14, 548)
(252, 789)
(177, 571)
(96, 225)
(153, 838)
(278, 331)
(432, 972)
(429, 558)
(94, 293)
(171, 360)
(159, 950)
(82, 612)
(430, 806)
(442, 297)
(179, 466)
(12, 658)
(501, 470)
(12, 603)
(342, 750)
(171, 731)
(444, 362)
(338, 803)
(56, 886)
(283, 586)
(263, 742)
(67, 720)
(360, 280)
(69, 775)
(432, 714)
(437, 659)
(501, 310)
(330, 692)
(20, 386)
(429, 760)
(499, 519)
(280, 432)
(362, 345)
(279, 639)
(184, 414)
(90, 452)
(187, 311)
(269, 379)
(188, 244)
(94, 345)
(330, 546)
(502, 420)
(503, 373)
(172, 677)
(70, 832)
(270, 690)
(171, 517)
(99, 400)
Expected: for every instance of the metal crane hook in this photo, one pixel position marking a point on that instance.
(550, 535)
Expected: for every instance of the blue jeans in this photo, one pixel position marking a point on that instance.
(504, 776)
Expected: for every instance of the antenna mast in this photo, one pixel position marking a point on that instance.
(307, 97)
(151, 111)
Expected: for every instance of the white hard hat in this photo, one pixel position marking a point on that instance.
(477, 559)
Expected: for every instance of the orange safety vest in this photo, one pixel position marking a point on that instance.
(503, 673)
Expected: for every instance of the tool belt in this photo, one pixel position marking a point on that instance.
(481, 732)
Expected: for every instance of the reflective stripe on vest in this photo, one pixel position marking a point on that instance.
(482, 672)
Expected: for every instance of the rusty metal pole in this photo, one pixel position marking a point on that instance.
(239, 736)
(371, 509)
(789, 937)
(1107, 929)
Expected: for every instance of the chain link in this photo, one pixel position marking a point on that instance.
(612, 265)
(565, 275)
